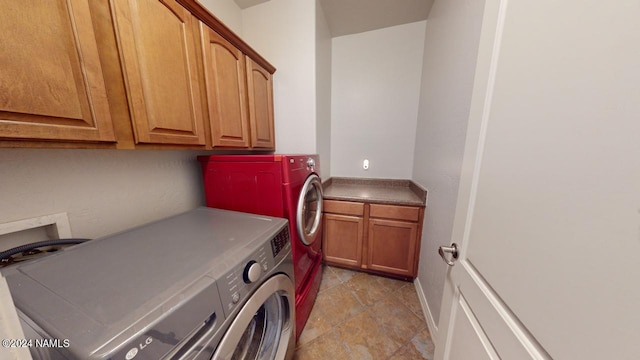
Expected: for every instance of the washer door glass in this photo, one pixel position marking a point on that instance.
(261, 336)
(309, 212)
(263, 329)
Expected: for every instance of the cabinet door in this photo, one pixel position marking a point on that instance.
(156, 40)
(392, 246)
(260, 85)
(342, 241)
(51, 81)
(224, 70)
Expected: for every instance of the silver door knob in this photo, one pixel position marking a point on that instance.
(453, 250)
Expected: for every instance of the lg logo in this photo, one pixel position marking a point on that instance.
(134, 351)
(131, 353)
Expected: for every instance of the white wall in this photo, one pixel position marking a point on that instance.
(284, 33)
(375, 88)
(226, 11)
(102, 191)
(451, 43)
(323, 92)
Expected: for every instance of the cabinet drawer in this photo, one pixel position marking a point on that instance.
(408, 213)
(343, 207)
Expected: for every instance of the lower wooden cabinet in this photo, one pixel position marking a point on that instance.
(373, 237)
(343, 237)
(391, 246)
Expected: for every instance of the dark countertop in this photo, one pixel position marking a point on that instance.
(381, 191)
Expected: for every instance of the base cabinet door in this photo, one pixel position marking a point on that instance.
(51, 81)
(392, 246)
(342, 242)
(157, 40)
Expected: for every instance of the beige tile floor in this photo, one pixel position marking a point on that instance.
(363, 316)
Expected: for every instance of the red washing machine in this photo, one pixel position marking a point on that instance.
(287, 186)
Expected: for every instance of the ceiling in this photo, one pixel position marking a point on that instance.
(355, 16)
(243, 4)
(346, 17)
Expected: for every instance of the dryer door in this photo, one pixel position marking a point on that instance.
(264, 327)
(309, 211)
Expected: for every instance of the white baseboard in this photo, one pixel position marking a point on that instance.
(433, 328)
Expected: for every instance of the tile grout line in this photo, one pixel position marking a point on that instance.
(419, 315)
(417, 331)
(388, 291)
(388, 294)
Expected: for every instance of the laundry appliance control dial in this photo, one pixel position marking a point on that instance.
(252, 272)
(311, 164)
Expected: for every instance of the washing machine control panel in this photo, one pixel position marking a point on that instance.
(241, 280)
(280, 241)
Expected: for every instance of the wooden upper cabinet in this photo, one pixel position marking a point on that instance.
(156, 41)
(129, 74)
(51, 82)
(224, 73)
(260, 85)
(239, 95)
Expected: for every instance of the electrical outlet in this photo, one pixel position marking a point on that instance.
(365, 164)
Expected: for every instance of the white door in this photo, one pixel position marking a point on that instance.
(548, 213)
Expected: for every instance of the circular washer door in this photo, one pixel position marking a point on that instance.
(264, 327)
(309, 212)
